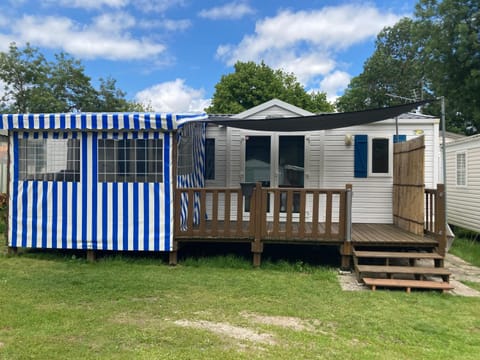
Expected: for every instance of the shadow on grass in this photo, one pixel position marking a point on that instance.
(287, 257)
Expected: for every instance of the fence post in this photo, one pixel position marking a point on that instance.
(257, 246)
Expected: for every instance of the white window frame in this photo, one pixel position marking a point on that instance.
(465, 169)
(390, 156)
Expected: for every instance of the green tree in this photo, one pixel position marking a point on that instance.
(32, 84)
(437, 53)
(393, 69)
(68, 86)
(252, 84)
(23, 73)
(450, 30)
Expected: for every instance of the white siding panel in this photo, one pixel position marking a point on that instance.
(463, 202)
(372, 196)
(219, 133)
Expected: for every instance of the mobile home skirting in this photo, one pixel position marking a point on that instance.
(89, 214)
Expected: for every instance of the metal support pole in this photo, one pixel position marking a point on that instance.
(444, 158)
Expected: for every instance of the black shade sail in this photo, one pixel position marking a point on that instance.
(317, 122)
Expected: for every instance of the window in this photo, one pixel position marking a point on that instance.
(185, 155)
(380, 156)
(210, 159)
(49, 159)
(461, 169)
(130, 160)
(291, 161)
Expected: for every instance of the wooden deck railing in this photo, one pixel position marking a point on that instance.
(281, 214)
(303, 214)
(435, 222)
(218, 222)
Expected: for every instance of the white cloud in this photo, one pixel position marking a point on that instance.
(90, 4)
(147, 6)
(304, 66)
(156, 6)
(233, 10)
(307, 43)
(5, 42)
(105, 38)
(331, 28)
(175, 25)
(173, 96)
(333, 83)
(113, 22)
(4, 20)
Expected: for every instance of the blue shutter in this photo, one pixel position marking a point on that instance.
(361, 156)
(399, 138)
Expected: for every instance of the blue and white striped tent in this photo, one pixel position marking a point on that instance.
(97, 181)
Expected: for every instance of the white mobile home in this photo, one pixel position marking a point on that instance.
(360, 155)
(463, 182)
(147, 182)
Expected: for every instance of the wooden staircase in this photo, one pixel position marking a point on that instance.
(400, 269)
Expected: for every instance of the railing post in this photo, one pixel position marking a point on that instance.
(346, 247)
(257, 246)
(348, 213)
(440, 220)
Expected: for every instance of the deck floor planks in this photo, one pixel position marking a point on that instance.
(386, 234)
(362, 234)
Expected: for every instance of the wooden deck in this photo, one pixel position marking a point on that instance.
(387, 235)
(362, 234)
(308, 216)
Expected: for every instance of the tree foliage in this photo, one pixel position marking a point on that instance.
(437, 53)
(451, 32)
(252, 84)
(34, 85)
(393, 69)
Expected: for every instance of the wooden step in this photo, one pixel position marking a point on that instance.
(409, 270)
(407, 284)
(396, 255)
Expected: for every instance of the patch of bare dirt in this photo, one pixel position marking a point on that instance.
(234, 332)
(281, 321)
(348, 281)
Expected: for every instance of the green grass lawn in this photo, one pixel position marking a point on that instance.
(468, 249)
(55, 306)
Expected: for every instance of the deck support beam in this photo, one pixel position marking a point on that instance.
(173, 254)
(91, 256)
(346, 254)
(12, 250)
(257, 250)
(257, 245)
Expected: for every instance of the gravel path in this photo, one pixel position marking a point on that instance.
(462, 271)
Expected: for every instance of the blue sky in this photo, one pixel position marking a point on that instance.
(171, 53)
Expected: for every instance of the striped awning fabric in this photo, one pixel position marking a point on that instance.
(98, 121)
